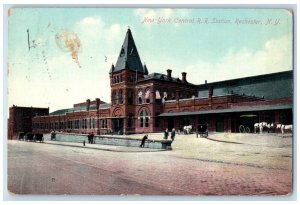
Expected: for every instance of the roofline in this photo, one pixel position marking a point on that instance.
(248, 77)
(165, 80)
(229, 110)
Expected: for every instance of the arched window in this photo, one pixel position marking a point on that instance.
(140, 99)
(147, 96)
(130, 97)
(144, 118)
(115, 98)
(165, 96)
(121, 99)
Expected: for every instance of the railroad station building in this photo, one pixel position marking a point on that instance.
(145, 103)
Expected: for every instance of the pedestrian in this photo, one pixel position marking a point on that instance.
(166, 134)
(84, 143)
(143, 141)
(92, 138)
(173, 133)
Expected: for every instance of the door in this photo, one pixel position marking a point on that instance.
(220, 125)
(118, 125)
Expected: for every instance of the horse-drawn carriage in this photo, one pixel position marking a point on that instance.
(202, 130)
(39, 137)
(31, 137)
(21, 136)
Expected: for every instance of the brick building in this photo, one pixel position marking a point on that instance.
(20, 119)
(143, 102)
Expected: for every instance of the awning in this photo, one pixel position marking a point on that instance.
(230, 110)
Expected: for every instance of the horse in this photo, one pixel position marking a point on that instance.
(270, 126)
(187, 129)
(260, 126)
(286, 128)
(278, 127)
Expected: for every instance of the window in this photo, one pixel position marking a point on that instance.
(141, 122)
(144, 118)
(140, 94)
(115, 98)
(56, 125)
(165, 96)
(147, 96)
(130, 97)
(77, 124)
(84, 124)
(46, 125)
(92, 123)
(114, 79)
(121, 78)
(121, 97)
(103, 123)
(61, 125)
(157, 97)
(146, 121)
(70, 124)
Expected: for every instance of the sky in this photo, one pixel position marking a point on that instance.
(72, 49)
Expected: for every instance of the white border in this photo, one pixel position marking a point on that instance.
(130, 3)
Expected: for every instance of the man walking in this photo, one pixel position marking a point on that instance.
(143, 141)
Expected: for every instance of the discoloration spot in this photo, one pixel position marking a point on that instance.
(69, 41)
(10, 12)
(290, 11)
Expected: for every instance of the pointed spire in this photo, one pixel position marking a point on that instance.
(129, 57)
(112, 69)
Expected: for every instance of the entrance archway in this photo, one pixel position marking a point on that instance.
(118, 121)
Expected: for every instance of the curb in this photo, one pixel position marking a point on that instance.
(107, 149)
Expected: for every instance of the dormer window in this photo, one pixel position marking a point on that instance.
(122, 52)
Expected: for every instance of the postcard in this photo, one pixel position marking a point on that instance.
(150, 101)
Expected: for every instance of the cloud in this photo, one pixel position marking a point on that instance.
(275, 56)
(90, 27)
(95, 21)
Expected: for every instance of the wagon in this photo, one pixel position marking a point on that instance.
(39, 137)
(21, 136)
(29, 136)
(202, 130)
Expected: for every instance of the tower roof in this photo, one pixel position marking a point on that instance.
(129, 57)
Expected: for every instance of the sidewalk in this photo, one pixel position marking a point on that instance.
(104, 147)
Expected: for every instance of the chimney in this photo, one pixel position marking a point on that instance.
(97, 103)
(183, 77)
(210, 91)
(205, 81)
(88, 102)
(169, 73)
